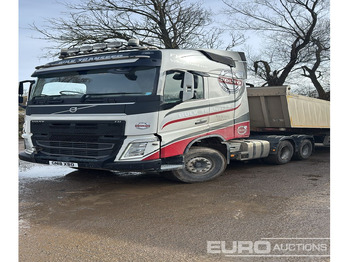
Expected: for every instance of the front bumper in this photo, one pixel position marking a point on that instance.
(150, 165)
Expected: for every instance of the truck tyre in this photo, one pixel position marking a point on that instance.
(201, 164)
(283, 155)
(305, 150)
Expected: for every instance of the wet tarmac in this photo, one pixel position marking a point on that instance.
(72, 215)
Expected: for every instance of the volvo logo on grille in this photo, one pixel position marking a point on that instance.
(73, 109)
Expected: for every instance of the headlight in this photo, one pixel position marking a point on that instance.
(135, 149)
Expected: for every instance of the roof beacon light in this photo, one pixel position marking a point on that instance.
(99, 47)
(133, 42)
(73, 50)
(64, 53)
(86, 49)
(115, 44)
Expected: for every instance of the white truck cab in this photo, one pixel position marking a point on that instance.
(136, 108)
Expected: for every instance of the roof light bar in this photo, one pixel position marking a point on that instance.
(103, 47)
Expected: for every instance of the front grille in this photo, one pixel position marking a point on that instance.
(76, 149)
(115, 128)
(78, 139)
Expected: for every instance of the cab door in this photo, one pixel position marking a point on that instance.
(182, 117)
(229, 112)
(222, 103)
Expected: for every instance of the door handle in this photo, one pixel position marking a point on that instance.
(202, 121)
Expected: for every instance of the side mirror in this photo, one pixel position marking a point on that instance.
(21, 91)
(187, 87)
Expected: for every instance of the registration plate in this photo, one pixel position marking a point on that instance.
(59, 163)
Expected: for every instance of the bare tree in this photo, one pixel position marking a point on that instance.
(290, 29)
(318, 53)
(161, 23)
(313, 73)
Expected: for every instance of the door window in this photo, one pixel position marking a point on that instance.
(173, 87)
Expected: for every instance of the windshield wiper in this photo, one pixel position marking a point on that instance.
(70, 92)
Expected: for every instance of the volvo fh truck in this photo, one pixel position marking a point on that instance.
(126, 107)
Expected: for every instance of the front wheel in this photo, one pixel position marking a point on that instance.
(201, 164)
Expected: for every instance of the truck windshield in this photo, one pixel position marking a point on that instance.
(120, 81)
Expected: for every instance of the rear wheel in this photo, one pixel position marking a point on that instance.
(283, 154)
(305, 150)
(201, 164)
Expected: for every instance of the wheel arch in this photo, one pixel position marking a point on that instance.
(211, 141)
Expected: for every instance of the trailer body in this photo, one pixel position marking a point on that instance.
(277, 107)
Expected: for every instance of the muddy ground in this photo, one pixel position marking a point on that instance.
(69, 215)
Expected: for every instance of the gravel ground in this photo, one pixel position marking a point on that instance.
(69, 215)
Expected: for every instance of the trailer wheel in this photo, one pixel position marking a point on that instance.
(201, 164)
(283, 155)
(305, 150)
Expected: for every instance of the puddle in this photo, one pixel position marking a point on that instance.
(30, 170)
(33, 170)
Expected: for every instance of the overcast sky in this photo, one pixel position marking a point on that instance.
(31, 50)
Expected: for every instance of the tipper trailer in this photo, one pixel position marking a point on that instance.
(127, 107)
